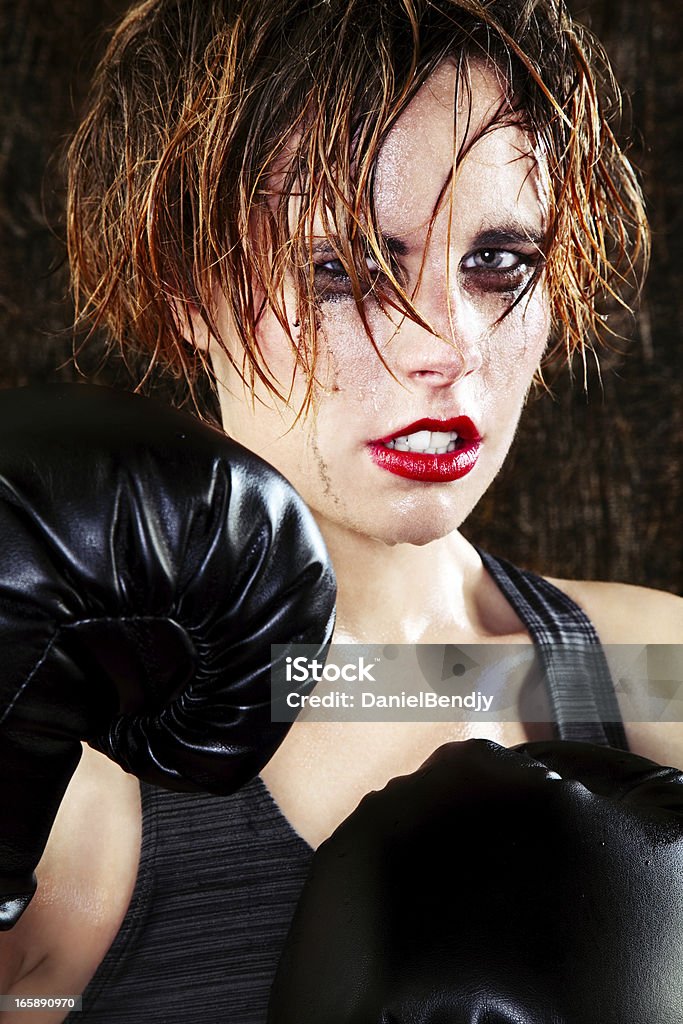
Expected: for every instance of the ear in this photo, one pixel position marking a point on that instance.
(192, 326)
(213, 342)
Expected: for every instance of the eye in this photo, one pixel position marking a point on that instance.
(494, 259)
(337, 269)
(332, 278)
(498, 270)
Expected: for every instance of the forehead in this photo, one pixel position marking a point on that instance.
(461, 132)
(470, 130)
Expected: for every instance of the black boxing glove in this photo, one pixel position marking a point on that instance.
(147, 564)
(538, 885)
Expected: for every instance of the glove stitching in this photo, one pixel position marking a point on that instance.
(41, 661)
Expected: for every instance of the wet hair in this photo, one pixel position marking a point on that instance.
(199, 107)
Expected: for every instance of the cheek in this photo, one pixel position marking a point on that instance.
(517, 344)
(347, 364)
(339, 349)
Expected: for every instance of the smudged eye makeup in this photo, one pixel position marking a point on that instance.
(332, 280)
(484, 270)
(331, 277)
(499, 270)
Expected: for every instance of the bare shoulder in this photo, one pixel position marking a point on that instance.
(626, 614)
(85, 880)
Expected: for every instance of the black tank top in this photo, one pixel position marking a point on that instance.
(219, 877)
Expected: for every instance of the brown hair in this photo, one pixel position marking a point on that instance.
(197, 104)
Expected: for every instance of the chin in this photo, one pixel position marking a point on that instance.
(417, 529)
(417, 520)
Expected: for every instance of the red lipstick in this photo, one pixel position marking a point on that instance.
(429, 467)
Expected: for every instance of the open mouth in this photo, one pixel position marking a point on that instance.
(426, 442)
(432, 451)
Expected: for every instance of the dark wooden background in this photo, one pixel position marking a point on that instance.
(593, 487)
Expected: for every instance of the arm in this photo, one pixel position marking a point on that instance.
(624, 614)
(85, 878)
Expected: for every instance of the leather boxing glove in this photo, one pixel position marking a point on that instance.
(537, 885)
(147, 564)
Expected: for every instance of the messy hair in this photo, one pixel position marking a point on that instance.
(198, 107)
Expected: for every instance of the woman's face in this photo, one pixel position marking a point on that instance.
(404, 458)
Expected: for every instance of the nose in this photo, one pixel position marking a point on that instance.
(438, 358)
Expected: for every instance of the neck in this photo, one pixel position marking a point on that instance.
(403, 593)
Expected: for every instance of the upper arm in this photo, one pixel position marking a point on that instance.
(12, 956)
(625, 614)
(85, 880)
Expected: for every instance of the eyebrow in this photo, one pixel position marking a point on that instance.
(331, 246)
(508, 234)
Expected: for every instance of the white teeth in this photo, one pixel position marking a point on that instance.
(427, 442)
(441, 440)
(420, 440)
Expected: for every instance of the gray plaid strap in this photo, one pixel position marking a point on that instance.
(580, 687)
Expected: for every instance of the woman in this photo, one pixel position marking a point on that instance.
(368, 223)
